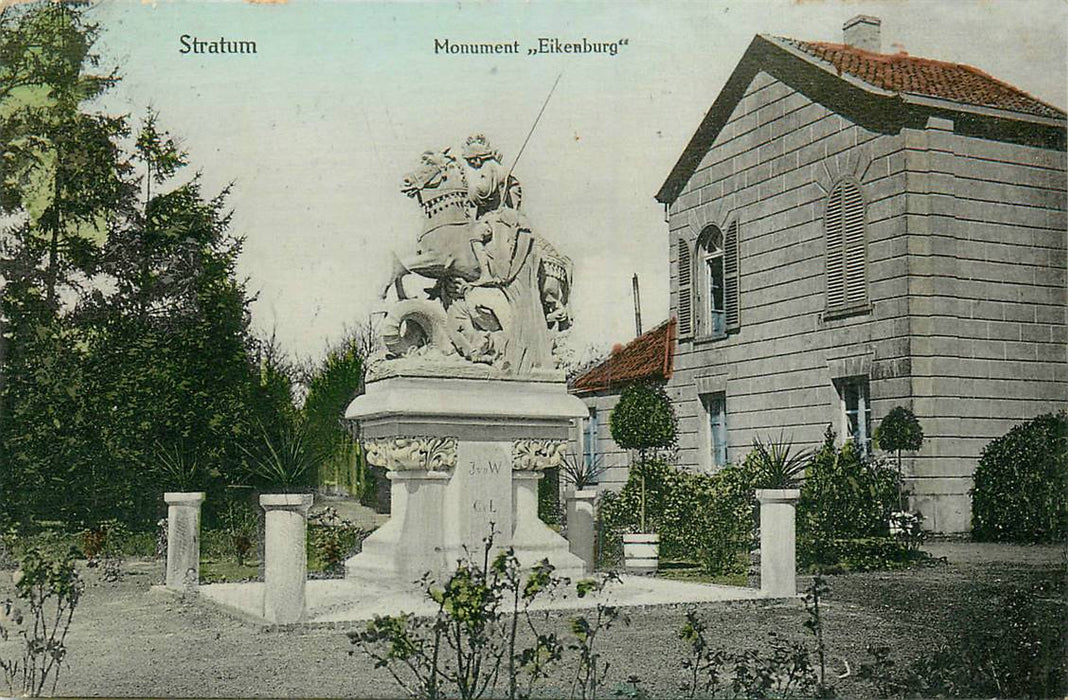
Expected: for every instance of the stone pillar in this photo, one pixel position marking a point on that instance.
(183, 538)
(285, 570)
(581, 525)
(416, 503)
(778, 541)
(532, 539)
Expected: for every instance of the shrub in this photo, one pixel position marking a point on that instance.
(549, 496)
(470, 647)
(241, 525)
(1020, 484)
(899, 430)
(643, 419)
(859, 554)
(845, 496)
(706, 518)
(333, 538)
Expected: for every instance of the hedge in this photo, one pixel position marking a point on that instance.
(1021, 484)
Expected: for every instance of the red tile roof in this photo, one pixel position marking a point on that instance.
(649, 356)
(924, 76)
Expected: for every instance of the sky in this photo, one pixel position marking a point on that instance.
(317, 128)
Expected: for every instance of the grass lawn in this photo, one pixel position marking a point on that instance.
(128, 640)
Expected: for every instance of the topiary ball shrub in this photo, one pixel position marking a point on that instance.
(899, 430)
(644, 419)
(1021, 484)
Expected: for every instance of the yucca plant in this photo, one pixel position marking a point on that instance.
(177, 467)
(777, 466)
(580, 472)
(285, 459)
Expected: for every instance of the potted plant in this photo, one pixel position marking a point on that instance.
(778, 471)
(284, 462)
(643, 420)
(582, 474)
(182, 477)
(777, 466)
(899, 430)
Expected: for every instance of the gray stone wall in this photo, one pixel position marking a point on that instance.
(986, 224)
(771, 169)
(965, 269)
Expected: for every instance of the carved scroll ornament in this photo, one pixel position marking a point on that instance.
(412, 453)
(537, 455)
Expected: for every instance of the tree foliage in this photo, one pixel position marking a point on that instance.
(125, 331)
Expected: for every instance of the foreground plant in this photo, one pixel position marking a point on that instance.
(785, 671)
(47, 593)
(473, 637)
(590, 670)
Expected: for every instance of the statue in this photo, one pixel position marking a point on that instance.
(500, 293)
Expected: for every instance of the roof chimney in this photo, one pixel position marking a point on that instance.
(862, 32)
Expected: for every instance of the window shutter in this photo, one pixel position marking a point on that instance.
(856, 291)
(835, 261)
(731, 277)
(685, 290)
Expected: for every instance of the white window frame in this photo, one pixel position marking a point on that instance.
(711, 319)
(860, 386)
(590, 437)
(715, 428)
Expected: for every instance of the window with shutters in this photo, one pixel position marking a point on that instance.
(685, 316)
(847, 274)
(715, 291)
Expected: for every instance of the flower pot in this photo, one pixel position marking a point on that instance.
(641, 553)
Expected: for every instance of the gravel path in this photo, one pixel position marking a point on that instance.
(128, 640)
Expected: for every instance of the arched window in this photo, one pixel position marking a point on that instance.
(847, 277)
(712, 318)
(716, 285)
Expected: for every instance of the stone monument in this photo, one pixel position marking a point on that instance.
(467, 407)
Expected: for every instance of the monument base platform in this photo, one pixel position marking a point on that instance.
(464, 456)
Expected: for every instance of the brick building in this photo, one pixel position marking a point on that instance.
(850, 231)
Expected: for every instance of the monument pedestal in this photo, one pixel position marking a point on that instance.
(464, 456)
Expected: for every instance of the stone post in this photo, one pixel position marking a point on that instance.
(778, 542)
(285, 568)
(580, 525)
(183, 538)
